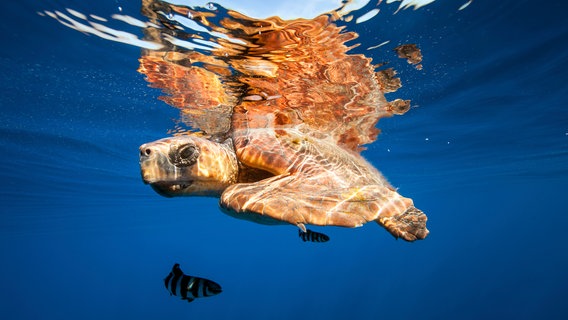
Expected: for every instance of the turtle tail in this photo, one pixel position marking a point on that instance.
(409, 225)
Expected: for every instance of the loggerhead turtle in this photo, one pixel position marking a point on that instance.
(296, 120)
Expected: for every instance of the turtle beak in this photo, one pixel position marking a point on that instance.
(151, 160)
(145, 153)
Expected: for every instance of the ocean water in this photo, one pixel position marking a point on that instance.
(483, 152)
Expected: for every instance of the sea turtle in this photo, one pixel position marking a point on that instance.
(295, 122)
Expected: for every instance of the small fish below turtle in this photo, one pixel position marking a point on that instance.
(312, 236)
(189, 287)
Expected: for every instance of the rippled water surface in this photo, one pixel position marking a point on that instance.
(483, 151)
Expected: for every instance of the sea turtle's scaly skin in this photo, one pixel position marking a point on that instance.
(290, 150)
(317, 183)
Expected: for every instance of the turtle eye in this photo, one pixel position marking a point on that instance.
(184, 155)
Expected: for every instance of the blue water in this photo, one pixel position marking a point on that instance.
(484, 154)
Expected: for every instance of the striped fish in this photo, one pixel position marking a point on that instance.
(188, 287)
(312, 236)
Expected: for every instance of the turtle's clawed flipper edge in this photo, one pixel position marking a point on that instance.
(409, 225)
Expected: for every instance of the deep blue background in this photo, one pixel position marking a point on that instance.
(484, 154)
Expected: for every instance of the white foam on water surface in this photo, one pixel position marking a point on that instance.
(405, 4)
(367, 16)
(289, 9)
(465, 5)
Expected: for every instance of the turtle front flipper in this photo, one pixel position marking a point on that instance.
(288, 199)
(298, 199)
(409, 225)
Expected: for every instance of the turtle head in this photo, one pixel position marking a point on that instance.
(188, 165)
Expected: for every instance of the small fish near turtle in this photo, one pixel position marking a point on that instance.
(188, 287)
(312, 236)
